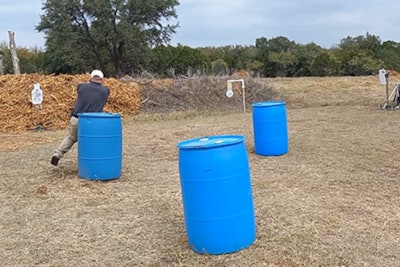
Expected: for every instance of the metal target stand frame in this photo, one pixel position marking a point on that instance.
(39, 126)
(229, 92)
(392, 100)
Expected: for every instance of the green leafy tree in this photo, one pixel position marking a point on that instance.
(212, 53)
(114, 35)
(276, 55)
(256, 66)
(180, 60)
(236, 57)
(31, 60)
(359, 55)
(324, 64)
(284, 63)
(253, 64)
(5, 52)
(390, 55)
(305, 56)
(219, 67)
(363, 64)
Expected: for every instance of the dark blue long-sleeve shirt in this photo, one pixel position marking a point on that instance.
(92, 97)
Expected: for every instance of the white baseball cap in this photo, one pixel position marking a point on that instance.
(97, 73)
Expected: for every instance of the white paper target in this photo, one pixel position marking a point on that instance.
(382, 76)
(37, 95)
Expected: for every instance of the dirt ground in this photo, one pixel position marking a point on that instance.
(332, 200)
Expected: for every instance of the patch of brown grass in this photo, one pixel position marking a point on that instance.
(331, 91)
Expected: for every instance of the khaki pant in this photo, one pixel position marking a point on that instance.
(69, 140)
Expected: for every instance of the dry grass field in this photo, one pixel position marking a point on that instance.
(332, 200)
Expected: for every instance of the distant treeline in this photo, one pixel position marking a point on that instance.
(132, 37)
(276, 57)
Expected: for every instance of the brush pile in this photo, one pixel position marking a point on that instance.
(205, 93)
(127, 96)
(59, 96)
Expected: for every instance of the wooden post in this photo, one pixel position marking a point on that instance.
(1, 65)
(13, 51)
(387, 87)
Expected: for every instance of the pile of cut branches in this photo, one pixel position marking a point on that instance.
(127, 96)
(59, 96)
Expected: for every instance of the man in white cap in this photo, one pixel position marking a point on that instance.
(92, 97)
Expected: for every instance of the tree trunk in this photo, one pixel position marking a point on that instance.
(1, 65)
(14, 56)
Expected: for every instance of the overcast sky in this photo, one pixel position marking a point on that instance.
(241, 22)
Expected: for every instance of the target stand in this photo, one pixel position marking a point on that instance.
(37, 99)
(393, 101)
(39, 126)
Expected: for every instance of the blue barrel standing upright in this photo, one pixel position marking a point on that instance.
(217, 194)
(270, 128)
(99, 145)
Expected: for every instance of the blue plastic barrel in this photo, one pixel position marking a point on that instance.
(270, 128)
(217, 194)
(99, 146)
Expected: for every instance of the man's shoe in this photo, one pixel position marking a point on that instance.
(54, 160)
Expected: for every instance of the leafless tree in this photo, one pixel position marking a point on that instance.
(14, 55)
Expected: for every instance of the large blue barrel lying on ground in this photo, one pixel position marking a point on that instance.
(270, 128)
(99, 146)
(217, 194)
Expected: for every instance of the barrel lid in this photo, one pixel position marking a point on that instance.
(211, 141)
(99, 114)
(268, 103)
